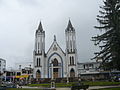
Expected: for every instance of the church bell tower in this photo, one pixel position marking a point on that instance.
(71, 51)
(39, 52)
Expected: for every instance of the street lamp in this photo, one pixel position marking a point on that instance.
(11, 74)
(30, 74)
(67, 77)
(79, 78)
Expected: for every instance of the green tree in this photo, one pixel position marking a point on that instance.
(109, 39)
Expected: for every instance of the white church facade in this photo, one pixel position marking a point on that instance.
(55, 62)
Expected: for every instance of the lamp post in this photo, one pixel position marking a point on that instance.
(67, 77)
(52, 70)
(79, 78)
(30, 76)
(20, 67)
(52, 78)
(10, 74)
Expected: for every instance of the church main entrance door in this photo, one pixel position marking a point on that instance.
(55, 68)
(55, 72)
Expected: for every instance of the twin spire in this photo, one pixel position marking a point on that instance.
(40, 27)
(69, 27)
(69, 24)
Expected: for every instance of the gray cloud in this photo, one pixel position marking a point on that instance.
(19, 20)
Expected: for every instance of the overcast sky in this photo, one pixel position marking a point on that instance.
(19, 20)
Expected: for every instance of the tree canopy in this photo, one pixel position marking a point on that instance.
(109, 39)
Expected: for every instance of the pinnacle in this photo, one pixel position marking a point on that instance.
(70, 27)
(54, 37)
(40, 27)
(69, 24)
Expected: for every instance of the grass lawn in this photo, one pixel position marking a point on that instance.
(48, 85)
(101, 83)
(96, 83)
(22, 89)
(41, 89)
(110, 89)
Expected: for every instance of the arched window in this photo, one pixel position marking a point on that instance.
(70, 44)
(38, 45)
(39, 61)
(72, 60)
(55, 62)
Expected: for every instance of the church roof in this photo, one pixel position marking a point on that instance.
(53, 45)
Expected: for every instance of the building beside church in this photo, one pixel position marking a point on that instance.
(55, 62)
(2, 65)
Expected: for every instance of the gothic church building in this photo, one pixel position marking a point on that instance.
(55, 62)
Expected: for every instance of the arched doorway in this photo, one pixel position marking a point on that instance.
(55, 69)
(58, 63)
(38, 74)
(72, 73)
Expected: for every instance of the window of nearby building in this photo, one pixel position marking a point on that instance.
(90, 65)
(18, 73)
(84, 66)
(23, 71)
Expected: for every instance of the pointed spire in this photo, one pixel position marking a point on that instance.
(40, 27)
(54, 37)
(69, 27)
(69, 24)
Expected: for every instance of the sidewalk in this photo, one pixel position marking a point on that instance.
(100, 87)
(66, 88)
(90, 88)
